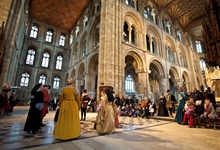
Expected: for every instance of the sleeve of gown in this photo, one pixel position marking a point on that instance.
(60, 98)
(77, 97)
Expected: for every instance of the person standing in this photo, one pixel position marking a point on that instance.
(34, 119)
(105, 121)
(46, 102)
(162, 109)
(180, 109)
(84, 103)
(12, 100)
(68, 123)
(170, 103)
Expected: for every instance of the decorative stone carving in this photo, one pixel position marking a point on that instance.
(77, 30)
(168, 26)
(212, 76)
(179, 35)
(85, 20)
(153, 14)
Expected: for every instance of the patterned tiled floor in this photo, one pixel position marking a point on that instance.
(12, 135)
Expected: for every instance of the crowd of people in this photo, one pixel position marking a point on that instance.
(194, 108)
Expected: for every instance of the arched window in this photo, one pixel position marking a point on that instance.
(170, 55)
(133, 36)
(30, 57)
(126, 33)
(129, 83)
(128, 2)
(42, 79)
(202, 64)
(148, 42)
(56, 83)
(24, 79)
(62, 40)
(45, 61)
(59, 62)
(34, 32)
(198, 47)
(49, 36)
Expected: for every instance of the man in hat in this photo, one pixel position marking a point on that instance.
(46, 98)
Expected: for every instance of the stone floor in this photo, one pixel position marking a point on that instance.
(136, 133)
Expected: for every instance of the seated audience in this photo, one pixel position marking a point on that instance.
(209, 114)
(198, 111)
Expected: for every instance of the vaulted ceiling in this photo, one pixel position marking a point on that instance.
(184, 11)
(64, 13)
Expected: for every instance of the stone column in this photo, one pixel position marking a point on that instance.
(151, 46)
(141, 79)
(163, 84)
(110, 66)
(89, 81)
(129, 38)
(135, 4)
(12, 27)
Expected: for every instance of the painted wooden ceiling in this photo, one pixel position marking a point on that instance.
(59, 13)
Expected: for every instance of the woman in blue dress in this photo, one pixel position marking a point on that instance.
(180, 109)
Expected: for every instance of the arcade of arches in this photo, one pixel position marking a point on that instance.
(133, 46)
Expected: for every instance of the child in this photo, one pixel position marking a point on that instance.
(151, 108)
(189, 108)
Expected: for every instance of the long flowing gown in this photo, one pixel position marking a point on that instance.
(33, 120)
(68, 124)
(105, 121)
(162, 109)
(179, 113)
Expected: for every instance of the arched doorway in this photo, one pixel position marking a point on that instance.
(81, 77)
(185, 78)
(157, 81)
(173, 79)
(92, 75)
(131, 85)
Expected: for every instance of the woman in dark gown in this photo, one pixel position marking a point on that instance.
(180, 113)
(162, 109)
(33, 120)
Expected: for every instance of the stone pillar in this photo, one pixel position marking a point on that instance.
(110, 66)
(129, 38)
(89, 81)
(135, 4)
(151, 46)
(163, 84)
(11, 29)
(142, 84)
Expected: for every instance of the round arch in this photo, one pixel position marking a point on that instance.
(93, 62)
(132, 19)
(170, 42)
(81, 70)
(138, 59)
(158, 65)
(174, 71)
